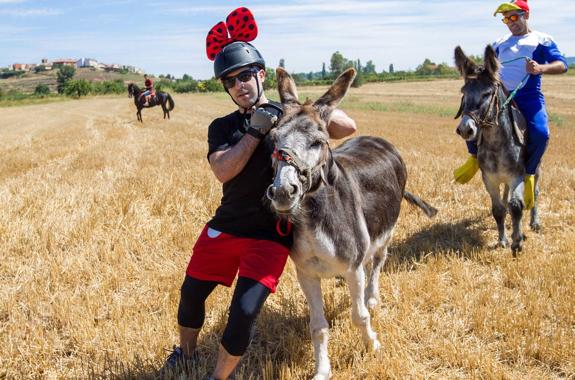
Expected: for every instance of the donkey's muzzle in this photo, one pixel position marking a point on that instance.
(283, 198)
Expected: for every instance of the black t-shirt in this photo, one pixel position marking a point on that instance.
(243, 210)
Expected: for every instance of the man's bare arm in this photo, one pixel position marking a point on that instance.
(340, 125)
(555, 67)
(226, 164)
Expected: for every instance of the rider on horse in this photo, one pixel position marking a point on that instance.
(149, 93)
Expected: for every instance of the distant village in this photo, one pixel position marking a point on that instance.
(46, 65)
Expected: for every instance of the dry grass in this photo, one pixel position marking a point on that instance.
(99, 214)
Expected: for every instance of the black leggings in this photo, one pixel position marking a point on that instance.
(249, 297)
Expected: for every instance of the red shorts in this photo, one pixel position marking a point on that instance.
(218, 256)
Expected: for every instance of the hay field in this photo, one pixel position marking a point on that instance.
(98, 215)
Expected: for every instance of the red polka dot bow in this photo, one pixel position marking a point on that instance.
(241, 26)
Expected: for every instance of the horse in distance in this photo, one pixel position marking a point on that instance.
(161, 98)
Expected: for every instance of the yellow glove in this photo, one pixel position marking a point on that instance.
(529, 192)
(465, 172)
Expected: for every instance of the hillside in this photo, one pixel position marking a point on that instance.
(28, 82)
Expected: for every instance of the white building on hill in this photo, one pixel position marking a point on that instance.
(87, 62)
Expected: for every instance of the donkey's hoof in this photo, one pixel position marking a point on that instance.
(375, 345)
(535, 226)
(372, 303)
(516, 247)
(322, 376)
(503, 243)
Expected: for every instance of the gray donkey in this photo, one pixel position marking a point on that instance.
(497, 126)
(343, 204)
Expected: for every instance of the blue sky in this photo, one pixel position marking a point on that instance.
(168, 36)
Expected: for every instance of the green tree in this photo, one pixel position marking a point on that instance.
(369, 68)
(391, 70)
(42, 90)
(186, 77)
(358, 80)
(478, 59)
(64, 74)
(444, 69)
(271, 80)
(109, 87)
(282, 63)
(323, 71)
(189, 85)
(426, 68)
(77, 87)
(337, 63)
(212, 85)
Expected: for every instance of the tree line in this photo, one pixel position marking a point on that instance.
(338, 63)
(366, 72)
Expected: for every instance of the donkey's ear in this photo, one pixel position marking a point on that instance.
(491, 63)
(286, 88)
(335, 94)
(465, 66)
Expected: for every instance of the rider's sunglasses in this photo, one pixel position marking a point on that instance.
(244, 76)
(512, 18)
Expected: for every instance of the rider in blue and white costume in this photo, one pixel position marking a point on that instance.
(540, 56)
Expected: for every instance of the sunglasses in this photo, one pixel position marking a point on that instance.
(512, 18)
(244, 76)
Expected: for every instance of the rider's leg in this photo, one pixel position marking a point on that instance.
(145, 96)
(465, 172)
(537, 139)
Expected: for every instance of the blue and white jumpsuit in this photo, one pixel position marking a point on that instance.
(541, 48)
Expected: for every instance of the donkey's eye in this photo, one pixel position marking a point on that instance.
(315, 144)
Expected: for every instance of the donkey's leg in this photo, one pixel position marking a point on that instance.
(498, 208)
(372, 296)
(516, 209)
(535, 222)
(505, 197)
(318, 326)
(359, 313)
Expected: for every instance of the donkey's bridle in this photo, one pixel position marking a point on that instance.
(484, 120)
(304, 172)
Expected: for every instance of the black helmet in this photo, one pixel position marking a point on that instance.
(235, 55)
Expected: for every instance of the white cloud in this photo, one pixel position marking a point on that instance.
(30, 12)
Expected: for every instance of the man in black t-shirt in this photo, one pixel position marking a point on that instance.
(241, 238)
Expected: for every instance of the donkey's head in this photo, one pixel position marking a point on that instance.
(479, 92)
(302, 157)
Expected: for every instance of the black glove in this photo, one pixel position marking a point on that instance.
(261, 122)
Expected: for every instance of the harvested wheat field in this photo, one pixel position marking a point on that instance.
(99, 213)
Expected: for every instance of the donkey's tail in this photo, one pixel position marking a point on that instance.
(415, 200)
(171, 101)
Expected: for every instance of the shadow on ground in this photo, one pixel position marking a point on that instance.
(462, 239)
